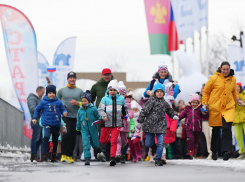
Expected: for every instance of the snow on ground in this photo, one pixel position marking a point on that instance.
(234, 164)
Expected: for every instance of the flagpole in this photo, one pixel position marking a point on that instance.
(200, 53)
(207, 57)
(172, 55)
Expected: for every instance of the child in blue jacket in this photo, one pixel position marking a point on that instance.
(87, 114)
(52, 109)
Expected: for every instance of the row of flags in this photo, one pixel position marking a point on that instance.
(171, 22)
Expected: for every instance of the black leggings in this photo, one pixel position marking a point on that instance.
(226, 137)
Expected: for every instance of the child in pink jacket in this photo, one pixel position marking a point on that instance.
(193, 124)
(122, 138)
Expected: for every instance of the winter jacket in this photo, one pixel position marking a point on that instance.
(91, 112)
(220, 94)
(52, 109)
(32, 102)
(126, 126)
(193, 118)
(153, 115)
(98, 90)
(240, 110)
(171, 129)
(113, 108)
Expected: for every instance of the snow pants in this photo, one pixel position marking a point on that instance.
(105, 138)
(192, 139)
(121, 142)
(78, 150)
(239, 133)
(90, 138)
(134, 145)
(36, 137)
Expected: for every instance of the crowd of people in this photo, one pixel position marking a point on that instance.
(108, 120)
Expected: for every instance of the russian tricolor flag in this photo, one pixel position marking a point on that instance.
(51, 69)
(172, 35)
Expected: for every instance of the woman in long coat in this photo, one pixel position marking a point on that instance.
(220, 95)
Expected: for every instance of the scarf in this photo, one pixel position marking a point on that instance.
(71, 86)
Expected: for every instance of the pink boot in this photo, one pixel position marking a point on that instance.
(134, 157)
(138, 154)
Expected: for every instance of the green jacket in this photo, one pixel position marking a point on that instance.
(98, 90)
(240, 110)
(132, 125)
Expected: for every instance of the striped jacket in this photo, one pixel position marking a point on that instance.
(113, 108)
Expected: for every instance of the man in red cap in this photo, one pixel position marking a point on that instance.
(98, 91)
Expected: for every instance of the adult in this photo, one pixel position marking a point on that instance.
(70, 95)
(98, 91)
(32, 101)
(239, 122)
(220, 95)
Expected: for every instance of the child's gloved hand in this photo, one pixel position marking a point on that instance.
(132, 131)
(78, 132)
(65, 114)
(105, 119)
(64, 129)
(34, 121)
(176, 117)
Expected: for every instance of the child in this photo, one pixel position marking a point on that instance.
(86, 115)
(51, 108)
(112, 107)
(153, 117)
(123, 136)
(135, 134)
(193, 124)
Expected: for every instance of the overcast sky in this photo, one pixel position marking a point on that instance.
(108, 30)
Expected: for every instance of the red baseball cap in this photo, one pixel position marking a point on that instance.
(240, 84)
(106, 71)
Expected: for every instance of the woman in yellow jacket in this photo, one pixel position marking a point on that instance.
(239, 122)
(220, 95)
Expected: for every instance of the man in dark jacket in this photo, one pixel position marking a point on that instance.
(98, 91)
(32, 101)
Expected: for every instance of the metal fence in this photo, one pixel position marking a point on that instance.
(11, 126)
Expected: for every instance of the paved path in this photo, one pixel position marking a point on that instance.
(102, 172)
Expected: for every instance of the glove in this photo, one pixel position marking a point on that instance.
(78, 132)
(176, 117)
(64, 129)
(240, 103)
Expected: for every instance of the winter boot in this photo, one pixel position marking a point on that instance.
(241, 156)
(113, 161)
(101, 157)
(147, 158)
(163, 159)
(53, 157)
(189, 155)
(96, 151)
(87, 162)
(138, 154)
(117, 158)
(35, 157)
(122, 159)
(58, 156)
(158, 163)
(134, 157)
(214, 156)
(70, 160)
(44, 158)
(194, 152)
(63, 158)
(129, 155)
(226, 156)
(200, 157)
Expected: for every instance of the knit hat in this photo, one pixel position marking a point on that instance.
(71, 74)
(194, 97)
(162, 67)
(133, 104)
(106, 71)
(113, 85)
(50, 88)
(159, 86)
(86, 95)
(122, 88)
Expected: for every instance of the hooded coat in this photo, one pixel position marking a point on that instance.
(240, 110)
(98, 90)
(220, 95)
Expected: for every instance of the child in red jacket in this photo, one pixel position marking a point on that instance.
(193, 124)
